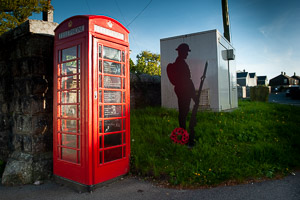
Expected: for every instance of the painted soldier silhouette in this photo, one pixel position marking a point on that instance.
(180, 76)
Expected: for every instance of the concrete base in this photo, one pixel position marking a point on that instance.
(79, 187)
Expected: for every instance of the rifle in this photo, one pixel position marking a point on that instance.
(193, 120)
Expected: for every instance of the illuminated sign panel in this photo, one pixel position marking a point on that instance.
(105, 31)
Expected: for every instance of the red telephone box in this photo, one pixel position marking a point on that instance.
(91, 106)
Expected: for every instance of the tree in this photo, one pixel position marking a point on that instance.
(15, 12)
(147, 63)
(132, 66)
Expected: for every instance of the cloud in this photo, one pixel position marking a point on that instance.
(276, 27)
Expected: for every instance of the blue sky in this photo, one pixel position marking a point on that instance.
(265, 34)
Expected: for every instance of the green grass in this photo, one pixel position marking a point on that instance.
(257, 140)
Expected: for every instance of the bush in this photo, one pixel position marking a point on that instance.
(259, 93)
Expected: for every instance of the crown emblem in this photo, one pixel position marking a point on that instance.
(109, 24)
(70, 24)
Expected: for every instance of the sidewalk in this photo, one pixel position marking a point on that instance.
(133, 189)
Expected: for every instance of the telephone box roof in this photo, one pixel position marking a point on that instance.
(93, 17)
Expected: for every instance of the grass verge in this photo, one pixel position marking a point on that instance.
(257, 140)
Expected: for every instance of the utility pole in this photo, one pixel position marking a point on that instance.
(226, 19)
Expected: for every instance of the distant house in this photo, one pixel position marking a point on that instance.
(283, 80)
(242, 78)
(246, 79)
(297, 78)
(262, 80)
(252, 79)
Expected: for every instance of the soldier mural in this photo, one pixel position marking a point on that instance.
(180, 76)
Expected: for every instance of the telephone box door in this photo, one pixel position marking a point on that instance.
(110, 110)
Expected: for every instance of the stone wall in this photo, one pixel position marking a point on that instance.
(26, 73)
(145, 90)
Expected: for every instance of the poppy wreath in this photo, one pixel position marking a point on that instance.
(179, 136)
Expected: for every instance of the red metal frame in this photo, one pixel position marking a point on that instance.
(95, 154)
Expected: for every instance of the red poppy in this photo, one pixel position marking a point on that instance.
(180, 136)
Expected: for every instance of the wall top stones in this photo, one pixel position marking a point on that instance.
(30, 26)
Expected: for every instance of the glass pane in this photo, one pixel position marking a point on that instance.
(123, 66)
(69, 155)
(112, 140)
(59, 56)
(112, 82)
(112, 54)
(78, 66)
(123, 56)
(124, 111)
(100, 142)
(100, 127)
(69, 140)
(69, 96)
(112, 97)
(100, 112)
(100, 81)
(123, 83)
(112, 68)
(124, 151)
(100, 66)
(100, 96)
(124, 138)
(124, 97)
(124, 124)
(78, 159)
(78, 51)
(70, 111)
(112, 111)
(112, 154)
(69, 82)
(100, 157)
(69, 68)
(68, 125)
(100, 51)
(69, 54)
(112, 125)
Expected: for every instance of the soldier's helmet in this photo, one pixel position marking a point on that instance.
(183, 48)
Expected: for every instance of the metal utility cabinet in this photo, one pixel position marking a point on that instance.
(91, 118)
(219, 90)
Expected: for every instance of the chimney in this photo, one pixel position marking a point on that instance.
(281, 73)
(48, 14)
(294, 73)
(244, 70)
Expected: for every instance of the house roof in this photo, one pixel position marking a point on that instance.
(281, 75)
(241, 74)
(261, 78)
(296, 77)
(252, 75)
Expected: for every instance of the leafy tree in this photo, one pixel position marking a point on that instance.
(132, 66)
(147, 63)
(15, 12)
